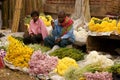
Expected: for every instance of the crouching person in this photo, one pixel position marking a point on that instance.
(37, 30)
(62, 34)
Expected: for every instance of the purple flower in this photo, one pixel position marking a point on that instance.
(2, 53)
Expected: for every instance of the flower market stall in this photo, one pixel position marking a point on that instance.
(62, 64)
(101, 37)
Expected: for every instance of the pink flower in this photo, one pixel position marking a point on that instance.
(41, 63)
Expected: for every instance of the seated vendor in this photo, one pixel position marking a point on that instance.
(62, 34)
(37, 31)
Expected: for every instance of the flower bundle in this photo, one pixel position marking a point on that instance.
(78, 73)
(42, 63)
(102, 25)
(98, 76)
(64, 64)
(94, 57)
(18, 53)
(68, 52)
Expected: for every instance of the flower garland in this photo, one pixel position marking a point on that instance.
(18, 53)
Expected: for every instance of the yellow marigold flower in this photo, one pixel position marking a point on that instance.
(103, 25)
(64, 64)
(16, 52)
(106, 19)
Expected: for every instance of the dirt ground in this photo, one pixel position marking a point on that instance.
(8, 74)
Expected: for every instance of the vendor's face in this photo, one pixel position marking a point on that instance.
(61, 18)
(35, 18)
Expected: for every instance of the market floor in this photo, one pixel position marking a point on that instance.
(7, 74)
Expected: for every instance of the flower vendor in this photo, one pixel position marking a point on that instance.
(62, 34)
(37, 30)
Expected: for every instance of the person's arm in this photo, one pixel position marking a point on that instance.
(55, 31)
(43, 29)
(29, 29)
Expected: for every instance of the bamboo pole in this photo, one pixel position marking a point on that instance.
(5, 12)
(30, 5)
(35, 4)
(10, 12)
(23, 14)
(40, 5)
(16, 16)
(10, 9)
(23, 9)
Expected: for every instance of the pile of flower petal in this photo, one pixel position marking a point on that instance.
(18, 53)
(42, 63)
(68, 52)
(94, 57)
(102, 25)
(64, 64)
(98, 76)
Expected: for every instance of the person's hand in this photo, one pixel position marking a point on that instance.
(57, 40)
(52, 24)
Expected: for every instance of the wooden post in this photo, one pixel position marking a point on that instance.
(5, 14)
(16, 17)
